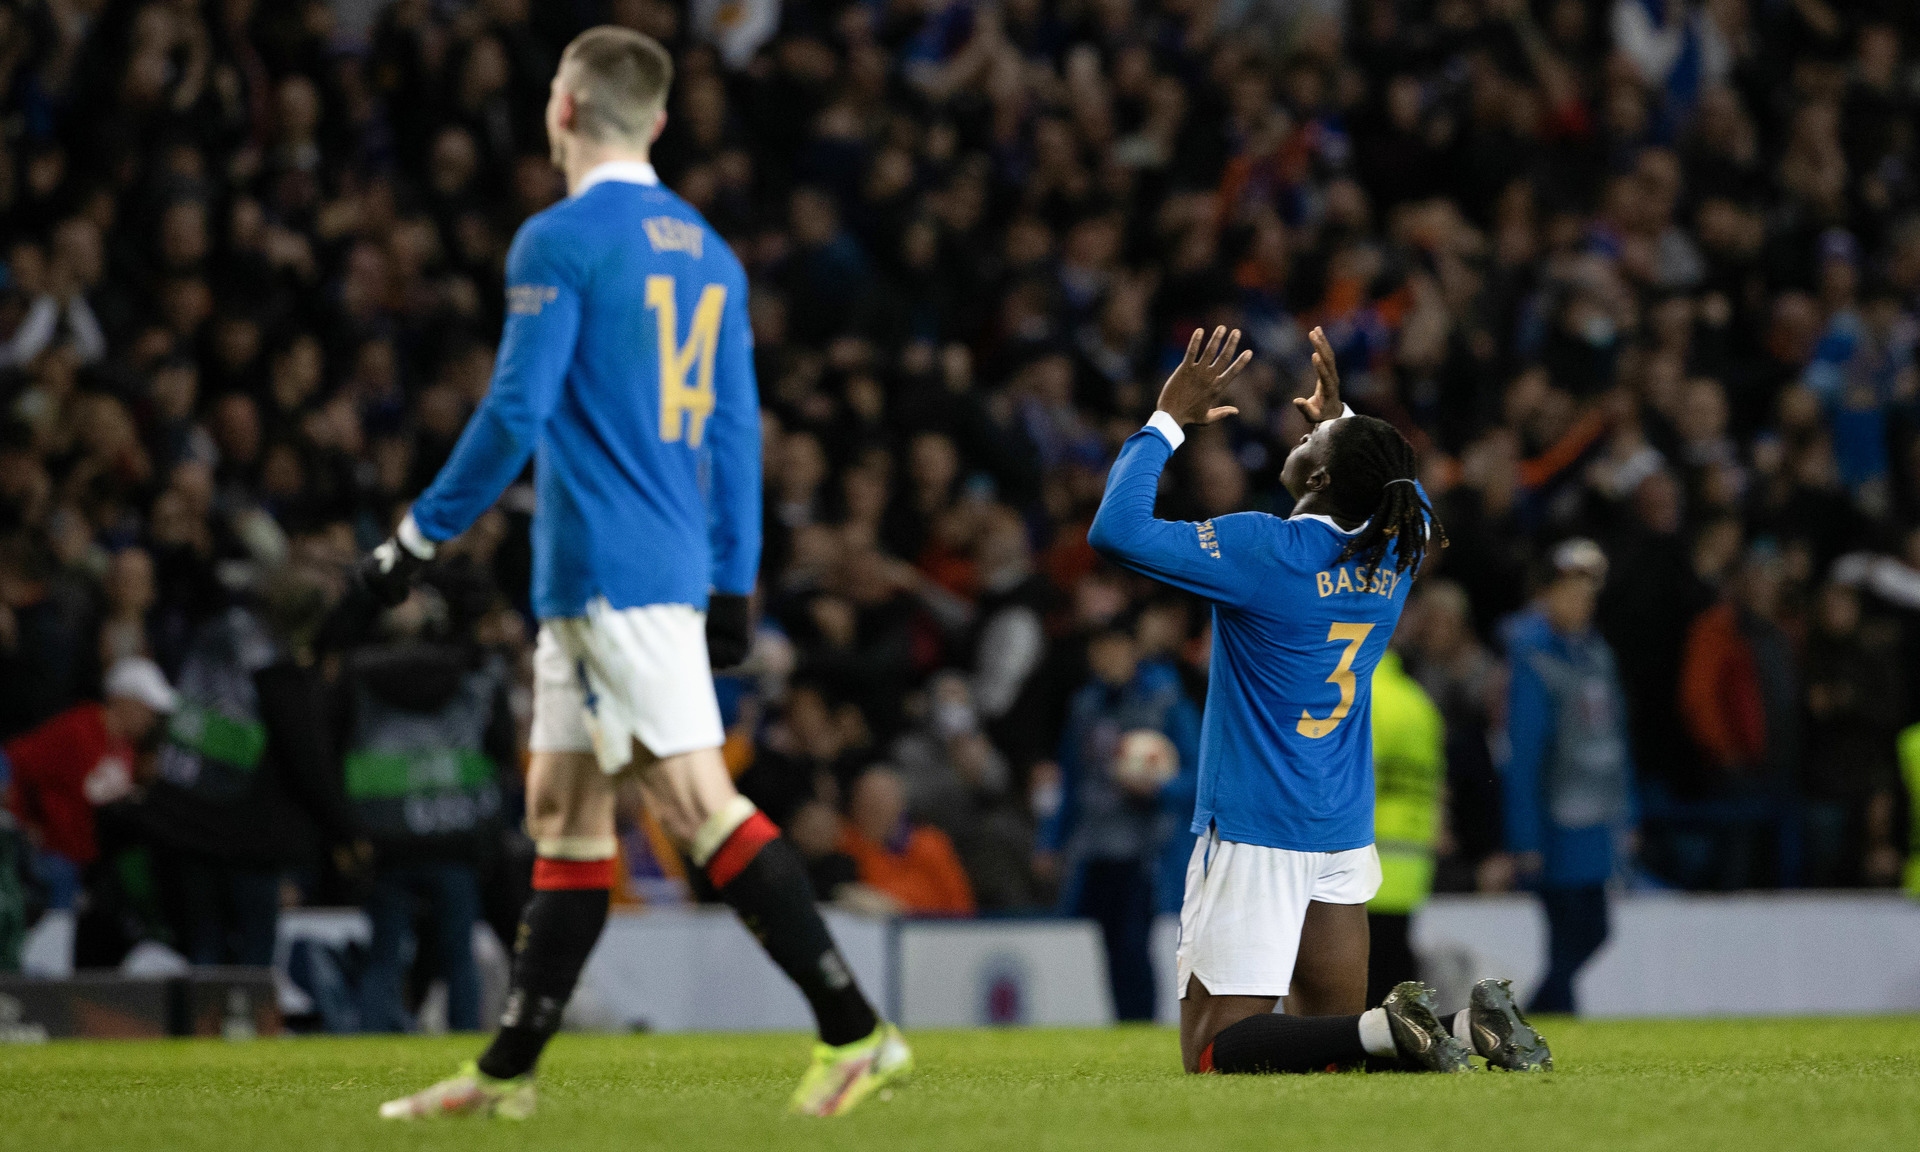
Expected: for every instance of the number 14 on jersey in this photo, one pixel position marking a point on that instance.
(686, 369)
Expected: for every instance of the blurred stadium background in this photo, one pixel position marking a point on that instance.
(1638, 272)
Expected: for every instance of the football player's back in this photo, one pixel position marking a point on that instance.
(658, 413)
(1289, 703)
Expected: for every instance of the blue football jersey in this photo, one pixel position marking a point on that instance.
(625, 371)
(1286, 743)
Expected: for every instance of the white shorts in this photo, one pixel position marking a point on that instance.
(616, 675)
(1240, 921)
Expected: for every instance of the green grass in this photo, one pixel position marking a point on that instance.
(1755, 1086)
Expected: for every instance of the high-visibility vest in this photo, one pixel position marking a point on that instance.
(1409, 763)
(423, 774)
(215, 739)
(1910, 768)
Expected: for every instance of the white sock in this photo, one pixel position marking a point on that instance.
(1376, 1035)
(1463, 1028)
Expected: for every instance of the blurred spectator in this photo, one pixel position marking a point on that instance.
(1849, 777)
(960, 783)
(1653, 593)
(84, 758)
(1910, 775)
(425, 725)
(1130, 733)
(15, 913)
(912, 864)
(48, 660)
(129, 596)
(246, 789)
(1740, 694)
(1568, 780)
(815, 830)
(1409, 776)
(1469, 686)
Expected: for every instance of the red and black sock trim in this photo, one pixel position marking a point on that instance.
(571, 875)
(739, 849)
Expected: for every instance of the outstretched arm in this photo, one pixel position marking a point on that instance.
(1182, 553)
(536, 345)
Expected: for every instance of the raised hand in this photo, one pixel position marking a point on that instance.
(1192, 393)
(1325, 403)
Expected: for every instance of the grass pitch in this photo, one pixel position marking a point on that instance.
(1755, 1086)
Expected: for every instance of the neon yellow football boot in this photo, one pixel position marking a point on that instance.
(471, 1092)
(842, 1077)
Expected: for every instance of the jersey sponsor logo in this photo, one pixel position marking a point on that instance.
(1209, 541)
(672, 234)
(529, 299)
(1349, 578)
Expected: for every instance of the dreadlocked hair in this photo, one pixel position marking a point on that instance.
(1366, 457)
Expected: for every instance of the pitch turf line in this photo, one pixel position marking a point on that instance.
(1751, 1086)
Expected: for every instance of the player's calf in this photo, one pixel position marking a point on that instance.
(558, 930)
(760, 875)
(561, 923)
(1404, 1029)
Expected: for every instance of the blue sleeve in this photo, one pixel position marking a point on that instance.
(536, 346)
(1529, 728)
(1182, 553)
(734, 437)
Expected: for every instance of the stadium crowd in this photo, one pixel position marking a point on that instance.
(1639, 272)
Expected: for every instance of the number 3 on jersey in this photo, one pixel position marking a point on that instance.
(1353, 635)
(685, 404)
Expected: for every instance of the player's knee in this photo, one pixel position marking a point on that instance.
(548, 810)
(687, 792)
(567, 801)
(675, 815)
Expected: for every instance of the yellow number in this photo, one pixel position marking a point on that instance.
(1354, 635)
(685, 407)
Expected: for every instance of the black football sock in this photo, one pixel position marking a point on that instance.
(557, 931)
(1277, 1043)
(761, 876)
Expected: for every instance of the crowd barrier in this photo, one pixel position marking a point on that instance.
(696, 969)
(235, 1003)
(1684, 954)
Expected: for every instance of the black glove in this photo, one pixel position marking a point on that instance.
(389, 571)
(729, 630)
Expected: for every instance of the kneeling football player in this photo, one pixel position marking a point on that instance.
(1303, 607)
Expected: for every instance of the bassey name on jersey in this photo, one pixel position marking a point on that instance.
(1349, 578)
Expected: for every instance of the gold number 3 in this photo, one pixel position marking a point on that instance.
(684, 407)
(1354, 635)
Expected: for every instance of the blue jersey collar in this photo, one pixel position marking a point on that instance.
(619, 172)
